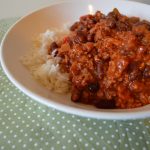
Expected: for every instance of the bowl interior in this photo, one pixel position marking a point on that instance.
(19, 40)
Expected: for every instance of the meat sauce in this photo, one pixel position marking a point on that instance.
(108, 60)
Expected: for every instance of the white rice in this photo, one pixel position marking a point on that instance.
(45, 68)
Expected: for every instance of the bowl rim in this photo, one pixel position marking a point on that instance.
(117, 114)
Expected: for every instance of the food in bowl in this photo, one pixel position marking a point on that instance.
(104, 60)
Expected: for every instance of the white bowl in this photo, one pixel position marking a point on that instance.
(19, 39)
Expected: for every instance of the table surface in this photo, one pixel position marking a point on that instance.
(28, 125)
(22, 7)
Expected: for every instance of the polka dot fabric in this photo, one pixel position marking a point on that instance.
(26, 124)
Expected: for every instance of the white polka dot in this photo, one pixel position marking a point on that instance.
(2, 147)
(137, 144)
(129, 139)
(29, 108)
(84, 124)
(48, 123)
(63, 117)
(126, 145)
(106, 132)
(9, 118)
(48, 115)
(74, 135)
(53, 118)
(36, 134)
(32, 130)
(42, 129)
(58, 122)
(119, 140)
(30, 139)
(79, 129)
(46, 143)
(20, 109)
(19, 140)
(18, 118)
(85, 134)
(43, 110)
(73, 116)
(143, 132)
(147, 142)
(58, 142)
(80, 140)
(24, 145)
(115, 146)
(90, 128)
(3, 123)
(23, 121)
(102, 137)
(108, 142)
(104, 122)
(29, 117)
(103, 148)
(37, 124)
(74, 125)
(97, 143)
(86, 144)
(64, 147)
(1, 110)
(15, 136)
(91, 138)
(27, 125)
(35, 144)
(24, 113)
(21, 130)
(74, 146)
(69, 141)
(94, 123)
(68, 121)
(123, 134)
(33, 121)
(127, 129)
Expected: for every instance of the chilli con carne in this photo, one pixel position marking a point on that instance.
(108, 60)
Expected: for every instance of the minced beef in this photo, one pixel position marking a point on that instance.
(108, 60)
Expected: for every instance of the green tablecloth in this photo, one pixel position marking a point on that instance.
(26, 124)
